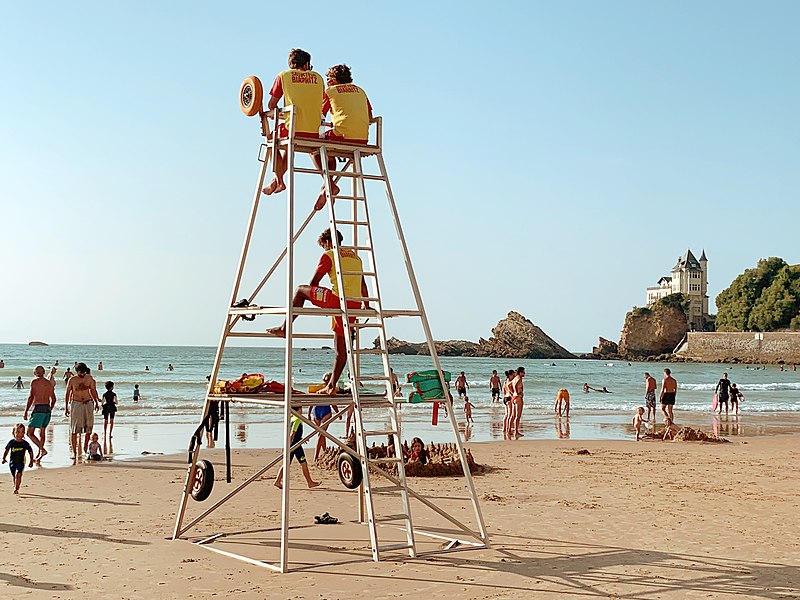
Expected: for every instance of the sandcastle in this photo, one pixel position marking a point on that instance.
(689, 434)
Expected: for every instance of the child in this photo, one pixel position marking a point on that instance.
(468, 406)
(670, 429)
(95, 452)
(136, 393)
(418, 452)
(18, 447)
(736, 395)
(296, 426)
(638, 420)
(109, 409)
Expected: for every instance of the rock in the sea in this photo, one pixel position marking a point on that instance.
(513, 337)
(605, 348)
(651, 331)
(37, 344)
(517, 337)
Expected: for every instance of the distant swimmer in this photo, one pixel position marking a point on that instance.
(605, 391)
(18, 384)
(146, 368)
(170, 367)
(586, 388)
(3, 364)
(100, 366)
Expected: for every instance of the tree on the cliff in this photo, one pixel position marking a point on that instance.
(678, 300)
(765, 298)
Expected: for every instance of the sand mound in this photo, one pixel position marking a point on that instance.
(443, 460)
(689, 434)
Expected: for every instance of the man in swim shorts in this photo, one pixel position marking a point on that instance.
(42, 399)
(461, 385)
(302, 88)
(494, 385)
(322, 297)
(650, 385)
(82, 401)
(723, 391)
(669, 389)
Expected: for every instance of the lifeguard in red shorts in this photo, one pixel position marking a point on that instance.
(351, 113)
(354, 286)
(301, 87)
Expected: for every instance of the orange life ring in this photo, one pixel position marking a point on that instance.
(251, 96)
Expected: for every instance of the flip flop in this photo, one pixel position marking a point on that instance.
(325, 519)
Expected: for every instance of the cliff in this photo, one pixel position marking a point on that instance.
(650, 331)
(512, 337)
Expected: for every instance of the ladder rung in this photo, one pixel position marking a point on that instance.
(366, 325)
(362, 298)
(356, 198)
(389, 547)
(374, 378)
(368, 351)
(361, 247)
(349, 222)
(390, 518)
(364, 273)
(263, 334)
(387, 459)
(381, 432)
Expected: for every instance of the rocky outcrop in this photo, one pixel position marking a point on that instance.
(650, 331)
(605, 348)
(448, 348)
(517, 337)
(513, 337)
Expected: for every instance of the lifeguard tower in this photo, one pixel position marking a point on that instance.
(387, 510)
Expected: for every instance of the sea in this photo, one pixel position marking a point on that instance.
(171, 401)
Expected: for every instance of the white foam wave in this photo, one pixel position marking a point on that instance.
(775, 386)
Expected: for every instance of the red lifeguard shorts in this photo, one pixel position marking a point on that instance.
(325, 298)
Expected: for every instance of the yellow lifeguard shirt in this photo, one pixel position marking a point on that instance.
(304, 91)
(349, 108)
(350, 262)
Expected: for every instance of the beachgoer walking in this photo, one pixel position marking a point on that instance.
(100, 366)
(68, 375)
(296, 426)
(18, 384)
(321, 414)
(722, 391)
(136, 393)
(17, 447)
(302, 88)
(322, 297)
(462, 385)
(507, 403)
(42, 399)
(81, 401)
(669, 389)
(736, 395)
(109, 409)
(561, 407)
(517, 389)
(468, 406)
(494, 385)
(650, 385)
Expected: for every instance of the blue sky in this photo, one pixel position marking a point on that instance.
(552, 158)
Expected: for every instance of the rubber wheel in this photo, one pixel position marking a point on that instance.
(203, 480)
(251, 96)
(349, 471)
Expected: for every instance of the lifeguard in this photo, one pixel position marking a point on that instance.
(351, 114)
(301, 87)
(354, 286)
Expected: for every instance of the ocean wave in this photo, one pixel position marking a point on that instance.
(710, 387)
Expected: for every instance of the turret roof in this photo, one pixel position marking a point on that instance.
(703, 256)
(687, 261)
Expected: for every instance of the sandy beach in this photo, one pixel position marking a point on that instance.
(628, 520)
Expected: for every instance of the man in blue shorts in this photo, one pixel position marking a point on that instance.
(42, 399)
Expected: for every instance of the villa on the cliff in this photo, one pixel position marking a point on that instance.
(689, 277)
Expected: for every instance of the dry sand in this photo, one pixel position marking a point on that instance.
(629, 520)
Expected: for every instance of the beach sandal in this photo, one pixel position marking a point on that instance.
(325, 519)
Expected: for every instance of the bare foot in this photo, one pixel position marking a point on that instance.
(16, 491)
(277, 332)
(322, 198)
(313, 484)
(42, 454)
(278, 485)
(518, 435)
(274, 187)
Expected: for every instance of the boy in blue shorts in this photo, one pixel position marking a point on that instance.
(17, 447)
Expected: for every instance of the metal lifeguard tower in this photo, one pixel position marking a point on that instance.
(356, 468)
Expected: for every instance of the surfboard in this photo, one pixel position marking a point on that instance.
(715, 402)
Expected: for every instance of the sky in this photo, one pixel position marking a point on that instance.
(552, 158)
